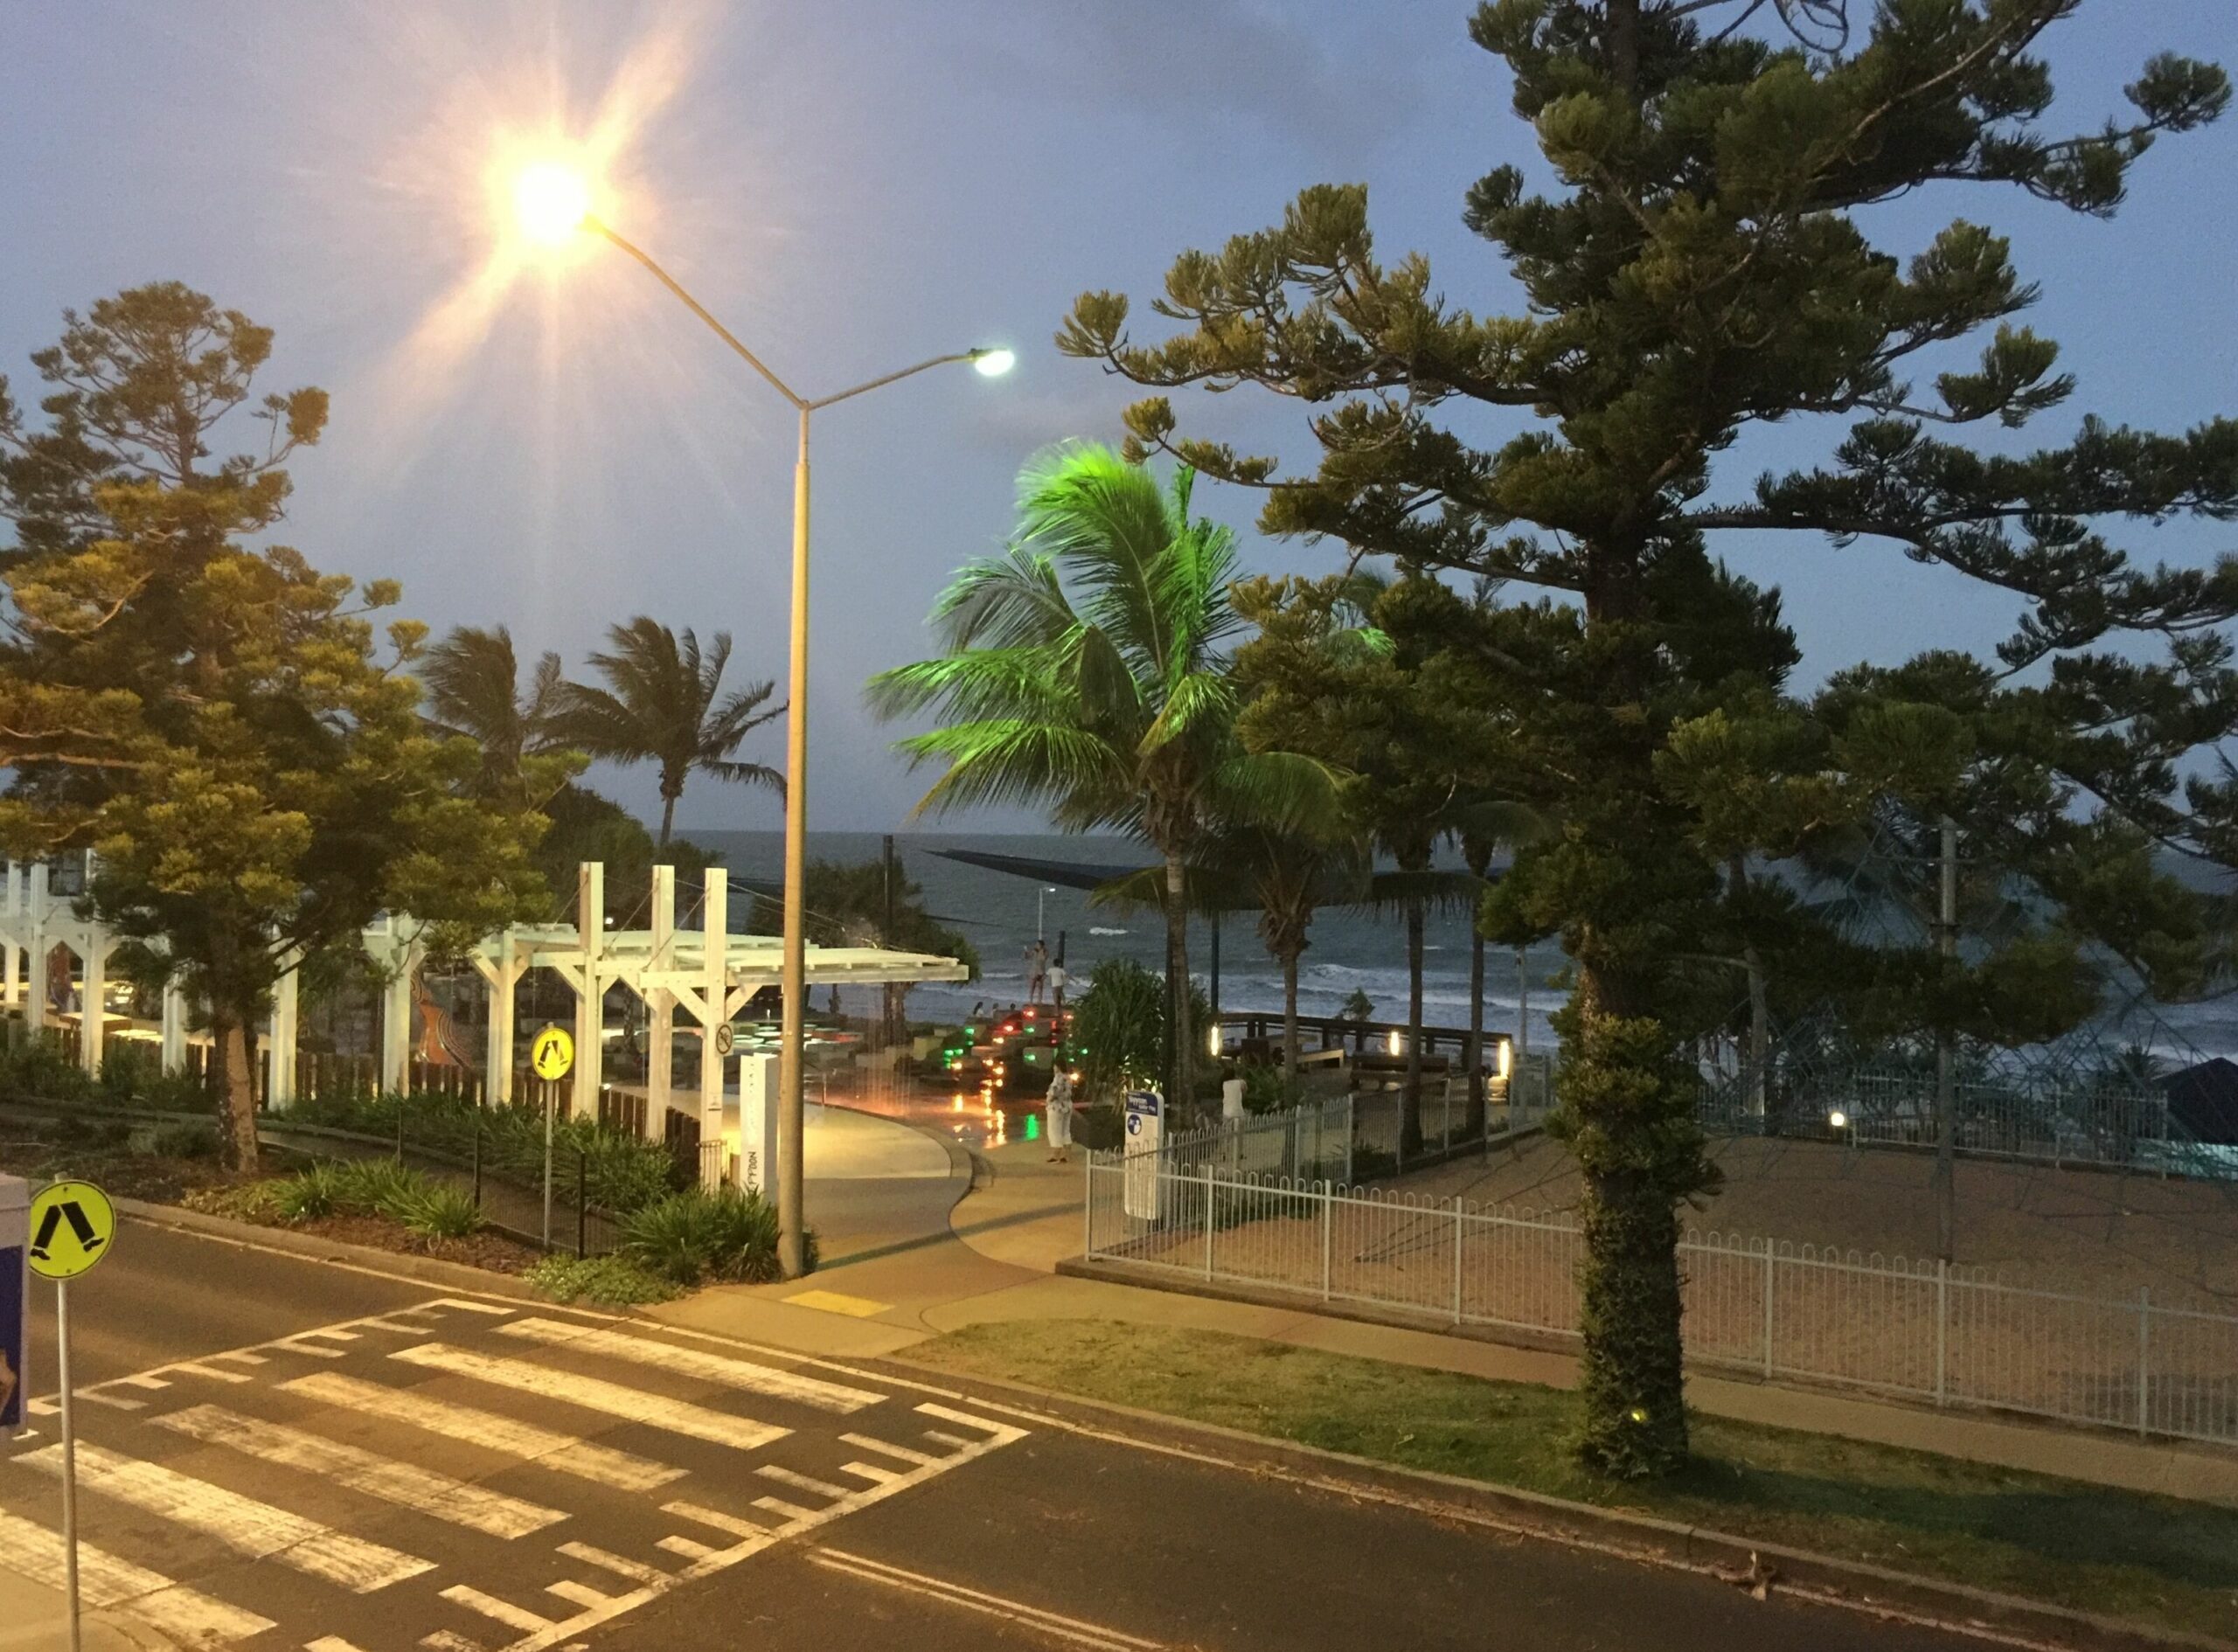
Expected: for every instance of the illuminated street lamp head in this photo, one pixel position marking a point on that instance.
(993, 364)
(550, 202)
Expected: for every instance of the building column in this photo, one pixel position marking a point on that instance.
(92, 1000)
(12, 923)
(174, 1045)
(497, 1083)
(35, 947)
(396, 1021)
(715, 988)
(280, 1043)
(590, 998)
(660, 1007)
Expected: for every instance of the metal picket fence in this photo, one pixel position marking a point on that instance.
(1314, 1139)
(1791, 1313)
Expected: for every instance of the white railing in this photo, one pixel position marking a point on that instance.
(1788, 1313)
(1301, 1143)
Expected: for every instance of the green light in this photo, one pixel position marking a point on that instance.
(1034, 1127)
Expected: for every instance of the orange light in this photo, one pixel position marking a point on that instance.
(959, 1101)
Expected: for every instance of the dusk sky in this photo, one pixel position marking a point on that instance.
(852, 186)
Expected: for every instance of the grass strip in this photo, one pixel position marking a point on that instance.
(2157, 1561)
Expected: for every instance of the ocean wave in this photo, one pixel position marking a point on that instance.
(1096, 929)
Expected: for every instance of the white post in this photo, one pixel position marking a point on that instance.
(1456, 1257)
(1941, 1328)
(590, 1002)
(1768, 1309)
(2145, 1359)
(92, 1000)
(35, 948)
(174, 1045)
(715, 987)
(498, 1055)
(69, 1455)
(660, 1006)
(280, 1046)
(1328, 1223)
(1208, 1218)
(13, 924)
(396, 1021)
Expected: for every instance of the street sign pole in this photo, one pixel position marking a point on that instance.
(72, 1226)
(548, 1166)
(69, 1454)
(550, 1058)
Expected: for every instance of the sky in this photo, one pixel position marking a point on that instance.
(853, 186)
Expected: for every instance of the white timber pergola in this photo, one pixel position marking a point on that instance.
(708, 973)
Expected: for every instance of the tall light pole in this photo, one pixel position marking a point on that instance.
(552, 203)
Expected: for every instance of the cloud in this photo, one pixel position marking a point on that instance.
(1299, 74)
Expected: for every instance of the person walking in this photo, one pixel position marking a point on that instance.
(1058, 1111)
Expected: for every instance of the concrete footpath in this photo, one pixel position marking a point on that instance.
(910, 1258)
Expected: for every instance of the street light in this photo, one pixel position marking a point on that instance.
(552, 203)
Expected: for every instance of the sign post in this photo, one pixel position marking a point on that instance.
(1146, 1129)
(550, 1058)
(15, 1304)
(72, 1223)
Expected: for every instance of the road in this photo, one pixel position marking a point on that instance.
(275, 1453)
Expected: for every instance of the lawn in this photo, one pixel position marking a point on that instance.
(2159, 1560)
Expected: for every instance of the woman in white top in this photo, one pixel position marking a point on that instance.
(1058, 1112)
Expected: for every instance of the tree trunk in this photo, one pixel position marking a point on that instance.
(1410, 1129)
(1179, 1035)
(668, 817)
(233, 1050)
(1618, 1079)
(1475, 1118)
(1291, 1083)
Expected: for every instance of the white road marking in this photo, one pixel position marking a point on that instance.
(741, 1374)
(868, 1471)
(576, 1593)
(901, 1452)
(475, 1507)
(792, 1511)
(444, 1641)
(490, 1605)
(687, 1547)
(334, 1333)
(620, 1565)
(397, 1322)
(243, 1525)
(105, 1582)
(787, 1477)
(957, 1441)
(465, 1305)
(677, 1416)
(41, 1407)
(329, 1644)
(716, 1518)
(216, 1373)
(543, 1447)
(244, 1355)
(1076, 1631)
(116, 1401)
(143, 1380)
(297, 1345)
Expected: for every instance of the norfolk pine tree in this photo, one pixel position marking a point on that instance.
(218, 722)
(1703, 266)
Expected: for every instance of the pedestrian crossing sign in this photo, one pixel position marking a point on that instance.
(72, 1223)
(553, 1053)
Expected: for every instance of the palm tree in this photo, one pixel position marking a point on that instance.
(472, 678)
(1085, 671)
(660, 705)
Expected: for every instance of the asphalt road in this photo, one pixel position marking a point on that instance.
(278, 1454)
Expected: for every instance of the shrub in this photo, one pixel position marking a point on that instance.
(436, 1211)
(183, 1141)
(314, 1192)
(254, 1202)
(378, 1187)
(611, 1282)
(695, 1235)
(1119, 1025)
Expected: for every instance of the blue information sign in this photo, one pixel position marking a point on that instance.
(12, 1338)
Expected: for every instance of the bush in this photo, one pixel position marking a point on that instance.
(313, 1193)
(1119, 1026)
(609, 1281)
(183, 1141)
(436, 1211)
(695, 1235)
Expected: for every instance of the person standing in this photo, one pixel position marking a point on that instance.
(1058, 1112)
(1037, 970)
(1057, 979)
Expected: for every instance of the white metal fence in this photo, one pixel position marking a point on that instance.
(1790, 1312)
(1310, 1143)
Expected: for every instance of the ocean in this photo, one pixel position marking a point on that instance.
(1349, 951)
(999, 913)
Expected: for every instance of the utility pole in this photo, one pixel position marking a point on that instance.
(1946, 1111)
(889, 994)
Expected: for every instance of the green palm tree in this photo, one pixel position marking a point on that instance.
(1086, 672)
(472, 679)
(661, 705)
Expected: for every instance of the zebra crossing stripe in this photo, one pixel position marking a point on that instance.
(444, 1641)
(243, 1525)
(620, 1565)
(475, 1507)
(804, 1483)
(490, 1605)
(741, 1374)
(866, 1443)
(677, 1416)
(194, 1620)
(508, 1436)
